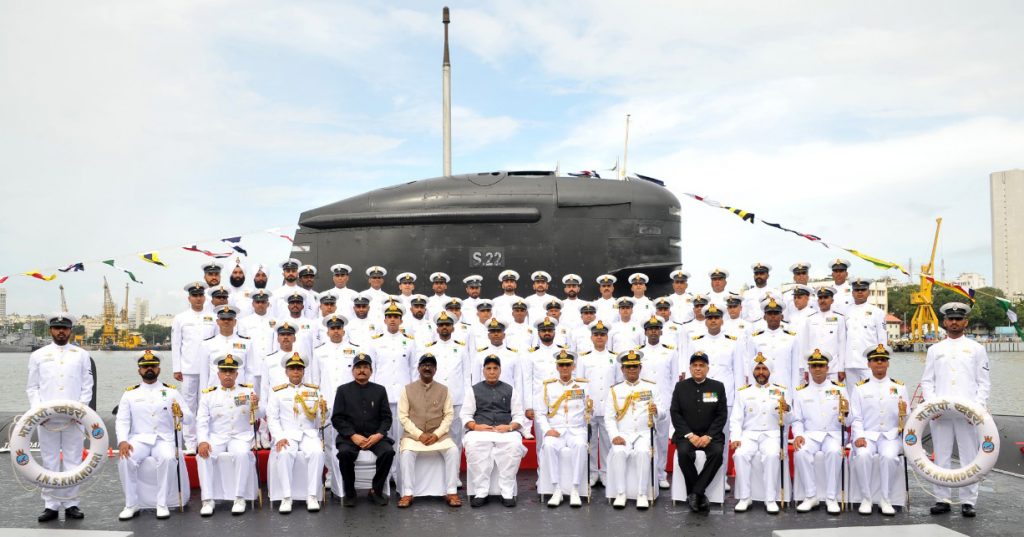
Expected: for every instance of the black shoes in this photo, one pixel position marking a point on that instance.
(967, 510)
(349, 500)
(48, 515)
(508, 502)
(378, 498)
(703, 503)
(477, 501)
(74, 512)
(941, 508)
(691, 500)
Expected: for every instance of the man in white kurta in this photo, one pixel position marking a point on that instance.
(426, 413)
(58, 371)
(224, 425)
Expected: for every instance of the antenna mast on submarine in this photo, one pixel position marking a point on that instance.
(446, 98)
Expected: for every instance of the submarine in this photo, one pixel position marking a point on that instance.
(485, 223)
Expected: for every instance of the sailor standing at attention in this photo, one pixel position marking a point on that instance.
(752, 297)
(439, 284)
(571, 304)
(340, 274)
(955, 367)
(719, 279)
(502, 304)
(473, 283)
(844, 294)
(394, 355)
(375, 277)
(146, 428)
(643, 308)
(682, 301)
(606, 304)
(58, 371)
(600, 368)
(865, 329)
(224, 430)
(536, 302)
(188, 331)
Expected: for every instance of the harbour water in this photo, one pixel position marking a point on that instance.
(116, 369)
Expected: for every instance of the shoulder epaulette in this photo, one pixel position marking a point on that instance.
(130, 388)
(378, 336)
(727, 336)
(272, 353)
(534, 349)
(648, 381)
(511, 349)
(463, 343)
(744, 388)
(800, 387)
(788, 332)
(549, 381)
(407, 335)
(581, 379)
(779, 385)
(585, 353)
(210, 389)
(320, 345)
(561, 346)
(245, 385)
(695, 338)
(241, 336)
(863, 382)
(171, 386)
(840, 384)
(481, 349)
(900, 382)
(314, 386)
(431, 344)
(758, 333)
(280, 387)
(667, 346)
(211, 337)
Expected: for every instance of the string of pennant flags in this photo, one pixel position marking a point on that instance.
(153, 256)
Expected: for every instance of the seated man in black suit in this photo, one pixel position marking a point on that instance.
(699, 413)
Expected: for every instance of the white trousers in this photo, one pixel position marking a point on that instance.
(55, 436)
(395, 434)
(128, 468)
(190, 392)
(287, 457)
(639, 455)
(888, 451)
(661, 433)
(455, 431)
(576, 441)
(766, 449)
(486, 449)
(451, 470)
(235, 451)
(805, 466)
(600, 448)
(944, 431)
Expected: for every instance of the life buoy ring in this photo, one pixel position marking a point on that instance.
(970, 472)
(96, 432)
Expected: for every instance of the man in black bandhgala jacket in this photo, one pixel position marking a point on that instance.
(699, 414)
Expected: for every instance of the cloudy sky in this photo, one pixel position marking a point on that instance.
(132, 126)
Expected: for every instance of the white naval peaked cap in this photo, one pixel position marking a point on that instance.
(547, 323)
(638, 276)
(572, 279)
(553, 301)
(718, 270)
(484, 303)
(437, 316)
(334, 318)
(830, 288)
(453, 301)
(475, 279)
(800, 265)
(307, 268)
(438, 276)
(662, 302)
(197, 286)
(341, 269)
(762, 266)
(61, 318)
(679, 275)
(839, 261)
(290, 263)
(955, 309)
(508, 275)
(212, 266)
(394, 308)
(606, 279)
(805, 288)
(376, 270)
(540, 275)
(624, 300)
(405, 276)
(715, 307)
(363, 297)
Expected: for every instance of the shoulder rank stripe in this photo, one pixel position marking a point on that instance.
(130, 388)
(245, 385)
(695, 338)
(840, 384)
(900, 382)
(582, 379)
(800, 387)
(378, 336)
(460, 342)
(280, 387)
(171, 386)
(314, 386)
(788, 332)
(863, 382)
(210, 389)
(727, 336)
(758, 333)
(744, 388)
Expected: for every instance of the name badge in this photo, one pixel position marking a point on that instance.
(710, 397)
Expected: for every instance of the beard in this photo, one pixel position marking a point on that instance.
(237, 282)
(149, 375)
(290, 279)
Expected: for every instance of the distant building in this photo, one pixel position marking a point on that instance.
(162, 320)
(970, 279)
(1007, 190)
(3, 302)
(893, 327)
(140, 315)
(91, 324)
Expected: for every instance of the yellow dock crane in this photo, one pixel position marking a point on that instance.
(108, 336)
(924, 320)
(127, 339)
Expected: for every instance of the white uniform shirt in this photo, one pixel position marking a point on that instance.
(562, 406)
(334, 366)
(238, 346)
(816, 410)
(756, 412)
(643, 308)
(682, 307)
(144, 413)
(843, 298)
(343, 296)
(435, 304)
(535, 310)
(752, 302)
(188, 330)
(607, 310)
(501, 306)
(571, 313)
(59, 372)
(224, 414)
(865, 329)
(262, 338)
(519, 335)
(538, 365)
(825, 331)
(394, 362)
(874, 408)
(726, 357)
(623, 336)
(286, 417)
(633, 423)
(659, 365)
(957, 368)
(362, 331)
(453, 366)
(782, 348)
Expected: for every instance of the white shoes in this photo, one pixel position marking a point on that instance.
(886, 508)
(807, 505)
(742, 506)
(238, 507)
(664, 484)
(286, 506)
(865, 507)
(832, 507)
(207, 509)
(574, 499)
(620, 501)
(312, 505)
(771, 507)
(527, 435)
(128, 513)
(556, 498)
(641, 502)
(593, 481)
(162, 512)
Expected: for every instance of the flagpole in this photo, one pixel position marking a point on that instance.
(625, 151)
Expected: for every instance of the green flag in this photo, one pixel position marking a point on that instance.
(1010, 314)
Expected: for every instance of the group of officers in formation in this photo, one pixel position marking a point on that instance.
(603, 385)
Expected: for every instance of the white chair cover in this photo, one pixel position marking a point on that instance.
(715, 491)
